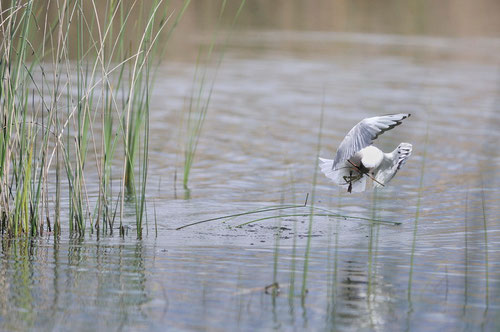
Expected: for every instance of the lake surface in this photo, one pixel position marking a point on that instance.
(438, 270)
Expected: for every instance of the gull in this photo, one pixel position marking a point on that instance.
(356, 158)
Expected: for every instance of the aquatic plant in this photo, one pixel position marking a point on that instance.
(71, 84)
(417, 215)
(201, 92)
(486, 259)
(313, 196)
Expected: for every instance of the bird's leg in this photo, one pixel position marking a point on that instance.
(365, 173)
(349, 189)
(351, 178)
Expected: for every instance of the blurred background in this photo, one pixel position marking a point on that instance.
(449, 18)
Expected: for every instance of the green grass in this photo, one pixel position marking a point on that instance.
(75, 93)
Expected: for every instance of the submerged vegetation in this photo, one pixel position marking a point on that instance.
(76, 76)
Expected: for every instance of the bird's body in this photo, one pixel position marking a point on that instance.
(356, 158)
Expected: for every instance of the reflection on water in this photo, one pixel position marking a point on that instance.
(257, 146)
(355, 282)
(45, 282)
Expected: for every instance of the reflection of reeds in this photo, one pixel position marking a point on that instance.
(70, 85)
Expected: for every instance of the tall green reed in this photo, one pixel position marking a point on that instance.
(313, 195)
(74, 79)
(466, 251)
(486, 259)
(417, 215)
(17, 139)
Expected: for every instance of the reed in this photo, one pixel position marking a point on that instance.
(417, 215)
(18, 133)
(313, 196)
(71, 85)
(275, 290)
(486, 259)
(293, 263)
(201, 92)
(466, 251)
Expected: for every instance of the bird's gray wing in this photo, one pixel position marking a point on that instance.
(363, 134)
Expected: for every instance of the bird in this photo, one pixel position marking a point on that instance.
(357, 158)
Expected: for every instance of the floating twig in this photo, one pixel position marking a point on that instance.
(327, 213)
(279, 207)
(320, 215)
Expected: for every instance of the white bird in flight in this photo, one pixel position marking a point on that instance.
(356, 158)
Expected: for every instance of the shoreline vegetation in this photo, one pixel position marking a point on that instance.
(77, 78)
(76, 87)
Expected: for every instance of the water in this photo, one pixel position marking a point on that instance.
(258, 148)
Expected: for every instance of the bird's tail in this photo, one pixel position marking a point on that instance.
(344, 176)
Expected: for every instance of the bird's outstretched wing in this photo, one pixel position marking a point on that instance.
(363, 134)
